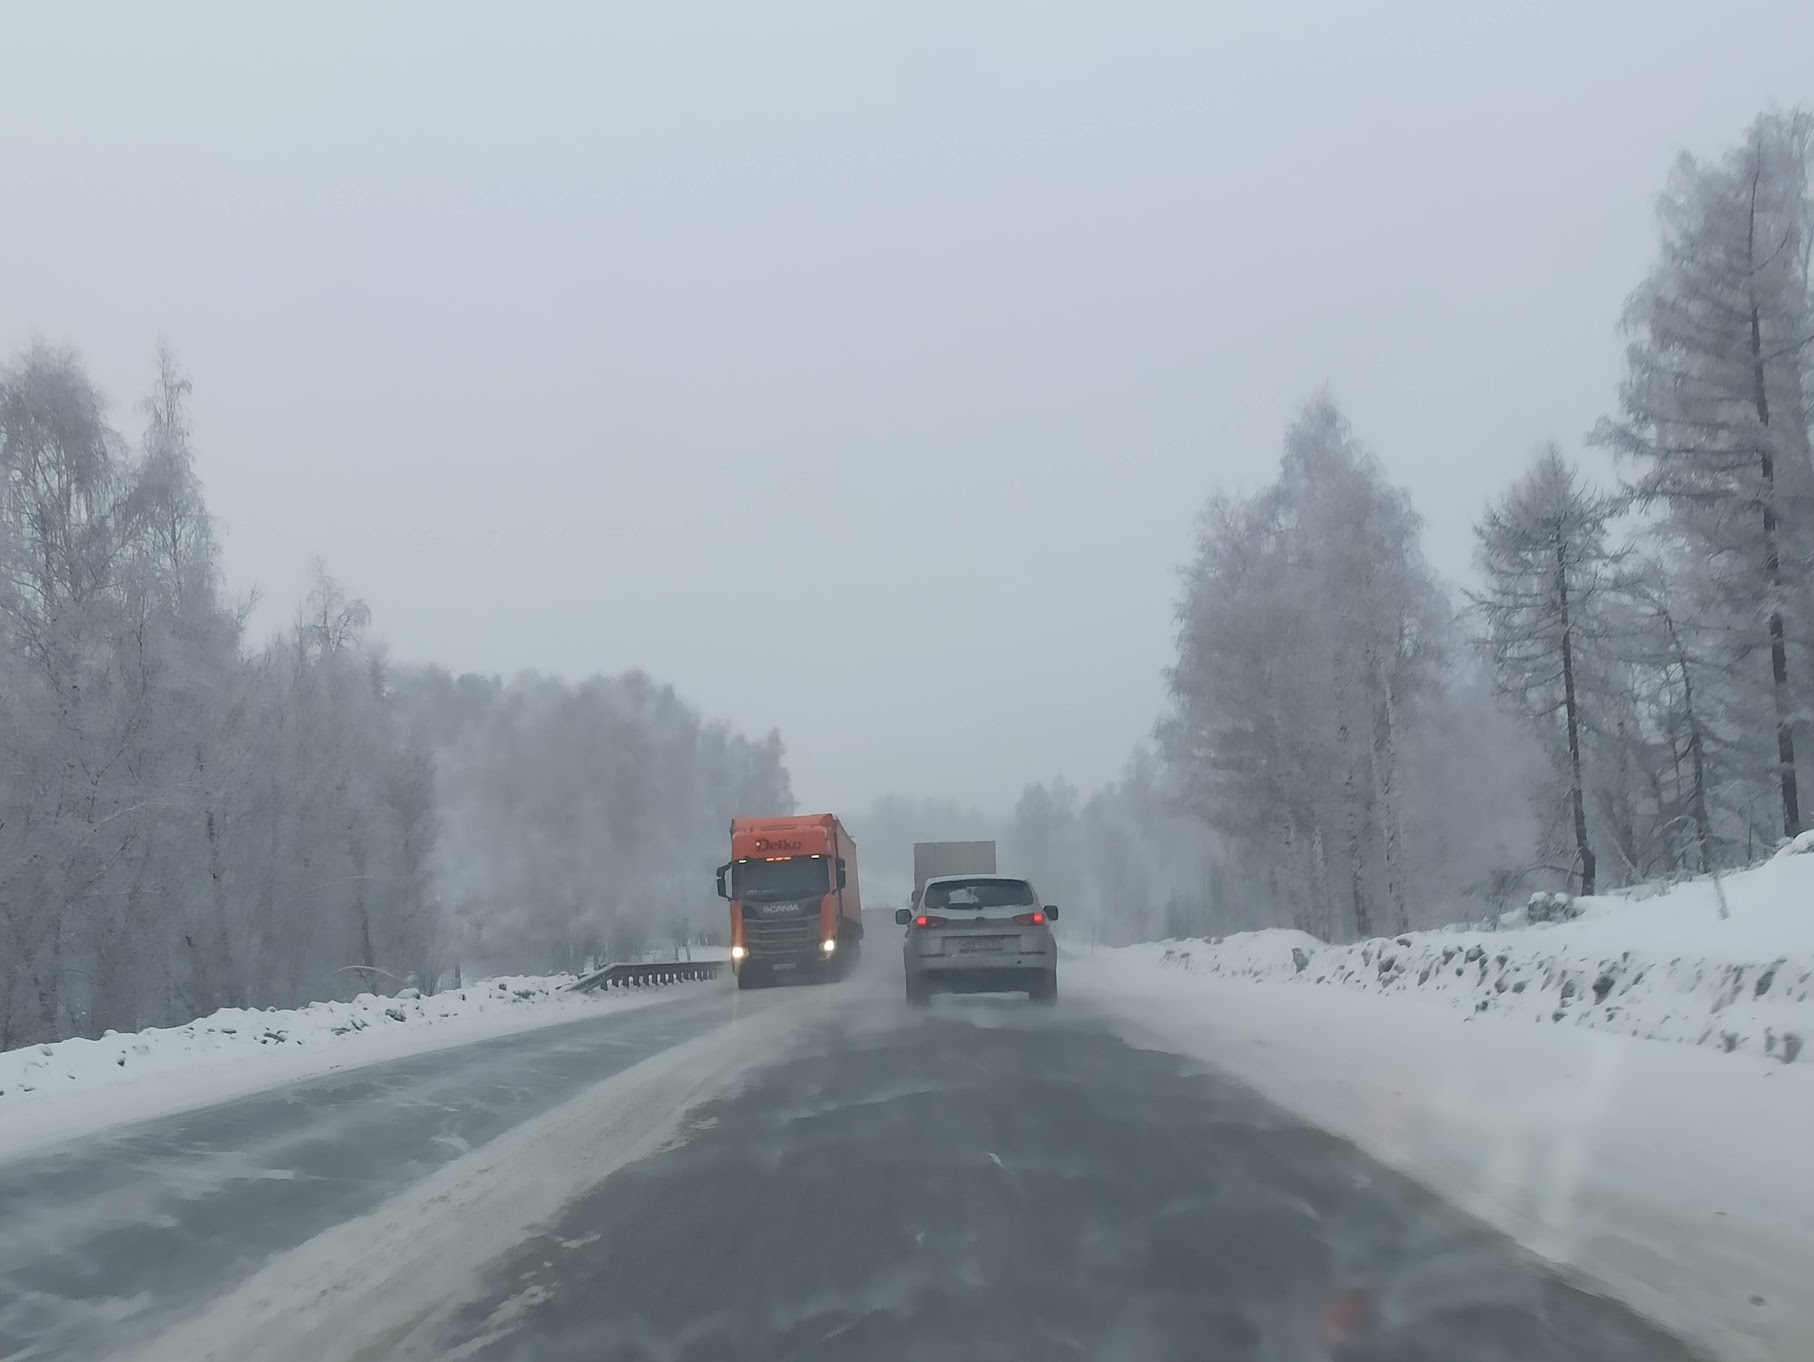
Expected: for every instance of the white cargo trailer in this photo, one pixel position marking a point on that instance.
(932, 859)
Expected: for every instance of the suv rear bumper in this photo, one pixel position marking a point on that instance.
(957, 966)
(983, 960)
(999, 979)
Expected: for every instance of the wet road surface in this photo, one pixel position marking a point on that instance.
(983, 1179)
(990, 1180)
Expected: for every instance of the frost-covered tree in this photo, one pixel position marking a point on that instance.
(74, 727)
(1473, 779)
(1041, 839)
(1547, 569)
(187, 823)
(1125, 863)
(1714, 405)
(1309, 633)
(582, 821)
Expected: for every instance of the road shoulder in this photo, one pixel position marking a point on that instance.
(1664, 1175)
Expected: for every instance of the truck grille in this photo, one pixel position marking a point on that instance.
(782, 935)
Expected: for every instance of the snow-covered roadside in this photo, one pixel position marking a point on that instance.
(53, 1093)
(1675, 1176)
(364, 1288)
(1661, 966)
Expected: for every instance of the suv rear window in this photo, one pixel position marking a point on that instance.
(980, 893)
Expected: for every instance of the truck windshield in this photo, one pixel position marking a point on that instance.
(980, 893)
(793, 878)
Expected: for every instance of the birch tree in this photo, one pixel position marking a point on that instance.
(69, 507)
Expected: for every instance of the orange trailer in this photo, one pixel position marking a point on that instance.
(795, 906)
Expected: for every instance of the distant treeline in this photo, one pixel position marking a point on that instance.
(190, 821)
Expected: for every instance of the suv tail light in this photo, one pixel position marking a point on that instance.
(1030, 919)
(928, 920)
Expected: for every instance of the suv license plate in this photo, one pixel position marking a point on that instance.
(981, 943)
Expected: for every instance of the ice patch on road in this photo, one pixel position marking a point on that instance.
(365, 1288)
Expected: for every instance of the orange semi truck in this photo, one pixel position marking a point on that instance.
(795, 910)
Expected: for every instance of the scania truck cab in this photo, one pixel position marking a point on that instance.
(795, 906)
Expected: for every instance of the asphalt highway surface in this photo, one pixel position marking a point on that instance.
(103, 1241)
(981, 1179)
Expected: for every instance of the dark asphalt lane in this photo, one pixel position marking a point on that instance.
(988, 1180)
(109, 1237)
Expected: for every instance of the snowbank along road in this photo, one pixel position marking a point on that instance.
(51, 1094)
(1626, 1092)
(790, 1174)
(108, 1238)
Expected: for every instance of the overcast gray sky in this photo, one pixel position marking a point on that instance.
(857, 367)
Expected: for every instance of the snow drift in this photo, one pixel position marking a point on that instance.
(1659, 964)
(74, 1087)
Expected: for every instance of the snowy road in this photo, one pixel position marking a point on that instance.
(992, 1182)
(113, 1236)
(985, 1179)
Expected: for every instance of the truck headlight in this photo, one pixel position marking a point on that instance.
(828, 946)
(738, 952)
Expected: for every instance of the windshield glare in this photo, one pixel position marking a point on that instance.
(797, 877)
(981, 893)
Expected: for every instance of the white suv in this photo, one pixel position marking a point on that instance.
(979, 934)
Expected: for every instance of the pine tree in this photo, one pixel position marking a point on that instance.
(1544, 557)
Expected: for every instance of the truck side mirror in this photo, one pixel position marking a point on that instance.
(1051, 913)
(724, 889)
(902, 916)
(843, 873)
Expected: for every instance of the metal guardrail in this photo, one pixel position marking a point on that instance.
(648, 975)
